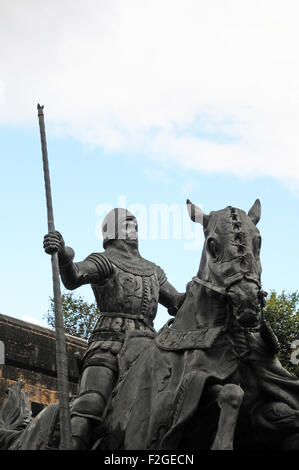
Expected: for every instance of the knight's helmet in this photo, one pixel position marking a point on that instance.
(112, 222)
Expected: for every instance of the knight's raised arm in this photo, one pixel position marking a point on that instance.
(73, 275)
(169, 297)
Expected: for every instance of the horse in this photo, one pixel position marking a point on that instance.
(210, 378)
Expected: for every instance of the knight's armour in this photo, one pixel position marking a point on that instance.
(132, 293)
(127, 291)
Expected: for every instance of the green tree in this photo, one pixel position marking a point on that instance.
(79, 316)
(282, 312)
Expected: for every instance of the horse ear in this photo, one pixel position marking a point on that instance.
(196, 213)
(255, 212)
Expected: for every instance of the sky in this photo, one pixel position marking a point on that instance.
(147, 103)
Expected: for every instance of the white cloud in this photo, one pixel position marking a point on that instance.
(212, 86)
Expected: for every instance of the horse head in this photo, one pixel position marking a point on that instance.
(228, 282)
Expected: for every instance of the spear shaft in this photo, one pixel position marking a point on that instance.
(61, 356)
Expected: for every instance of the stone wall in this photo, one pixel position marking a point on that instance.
(30, 355)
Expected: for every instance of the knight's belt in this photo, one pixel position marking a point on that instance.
(202, 338)
(101, 332)
(132, 316)
(99, 335)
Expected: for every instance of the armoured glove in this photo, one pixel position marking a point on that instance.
(53, 241)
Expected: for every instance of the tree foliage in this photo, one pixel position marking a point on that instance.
(282, 312)
(79, 316)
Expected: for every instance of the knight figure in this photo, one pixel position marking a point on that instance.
(127, 290)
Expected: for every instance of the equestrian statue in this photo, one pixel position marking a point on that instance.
(209, 379)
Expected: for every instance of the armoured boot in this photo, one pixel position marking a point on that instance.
(81, 431)
(88, 408)
(86, 419)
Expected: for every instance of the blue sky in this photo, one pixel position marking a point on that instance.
(204, 106)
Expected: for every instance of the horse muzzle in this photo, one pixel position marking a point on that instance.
(248, 318)
(244, 301)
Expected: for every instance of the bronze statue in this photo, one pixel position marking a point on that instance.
(210, 378)
(127, 289)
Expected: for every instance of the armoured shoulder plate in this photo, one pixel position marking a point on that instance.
(102, 263)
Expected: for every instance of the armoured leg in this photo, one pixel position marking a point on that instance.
(87, 410)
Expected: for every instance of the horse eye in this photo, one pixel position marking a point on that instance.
(213, 247)
(257, 245)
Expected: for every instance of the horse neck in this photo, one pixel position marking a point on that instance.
(211, 309)
(201, 308)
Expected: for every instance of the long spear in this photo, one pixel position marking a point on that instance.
(61, 357)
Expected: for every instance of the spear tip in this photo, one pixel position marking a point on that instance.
(40, 110)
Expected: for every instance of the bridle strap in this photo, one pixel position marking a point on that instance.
(209, 285)
(222, 290)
